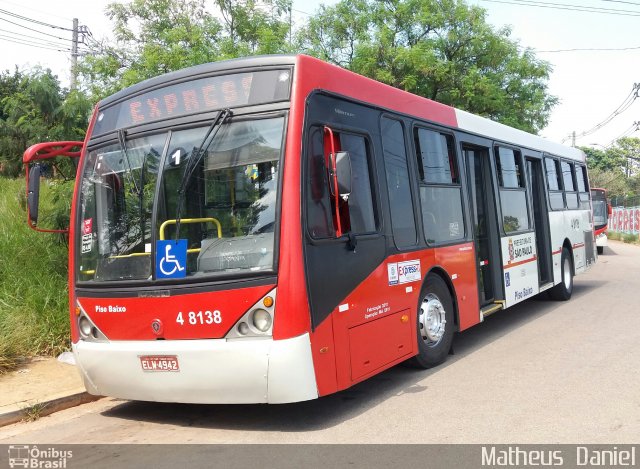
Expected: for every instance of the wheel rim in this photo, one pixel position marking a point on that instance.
(432, 320)
(567, 274)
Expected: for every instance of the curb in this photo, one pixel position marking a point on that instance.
(47, 407)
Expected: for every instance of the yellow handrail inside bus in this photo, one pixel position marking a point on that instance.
(191, 220)
(133, 254)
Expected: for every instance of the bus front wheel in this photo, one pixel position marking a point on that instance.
(435, 324)
(563, 290)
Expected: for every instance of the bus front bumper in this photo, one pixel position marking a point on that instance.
(215, 371)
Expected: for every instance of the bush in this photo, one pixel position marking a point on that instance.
(33, 281)
(614, 236)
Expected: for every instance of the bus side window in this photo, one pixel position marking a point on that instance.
(556, 200)
(357, 214)
(583, 186)
(513, 192)
(440, 190)
(403, 224)
(359, 208)
(319, 207)
(570, 193)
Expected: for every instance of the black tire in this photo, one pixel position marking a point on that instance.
(600, 249)
(563, 290)
(432, 352)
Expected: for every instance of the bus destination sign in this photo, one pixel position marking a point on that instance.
(196, 96)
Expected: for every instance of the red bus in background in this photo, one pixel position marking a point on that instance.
(276, 229)
(601, 213)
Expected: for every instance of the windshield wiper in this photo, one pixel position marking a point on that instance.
(194, 161)
(122, 138)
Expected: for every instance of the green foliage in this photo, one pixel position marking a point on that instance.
(627, 150)
(443, 50)
(33, 282)
(615, 168)
(613, 181)
(153, 37)
(605, 160)
(34, 108)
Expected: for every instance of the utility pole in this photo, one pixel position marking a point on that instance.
(573, 138)
(74, 54)
(290, 22)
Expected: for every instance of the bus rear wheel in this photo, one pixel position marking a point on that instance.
(563, 290)
(435, 324)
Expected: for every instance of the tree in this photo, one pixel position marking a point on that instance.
(441, 49)
(35, 108)
(627, 150)
(153, 37)
(613, 181)
(616, 168)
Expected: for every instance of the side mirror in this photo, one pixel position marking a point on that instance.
(33, 170)
(33, 193)
(342, 173)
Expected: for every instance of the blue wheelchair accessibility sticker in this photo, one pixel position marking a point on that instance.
(171, 258)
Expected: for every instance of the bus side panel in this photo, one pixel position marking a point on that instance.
(292, 316)
(324, 358)
(520, 271)
(460, 264)
(558, 235)
(374, 327)
(75, 336)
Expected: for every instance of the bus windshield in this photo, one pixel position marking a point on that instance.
(599, 210)
(228, 213)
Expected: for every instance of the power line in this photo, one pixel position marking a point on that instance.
(563, 6)
(568, 5)
(588, 49)
(28, 43)
(621, 1)
(32, 20)
(626, 104)
(44, 41)
(41, 12)
(634, 128)
(31, 29)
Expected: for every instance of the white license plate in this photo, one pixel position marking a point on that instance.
(159, 363)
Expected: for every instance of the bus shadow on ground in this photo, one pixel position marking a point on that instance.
(334, 409)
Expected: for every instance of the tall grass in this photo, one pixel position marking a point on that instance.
(33, 282)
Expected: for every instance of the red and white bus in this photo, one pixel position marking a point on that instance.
(276, 229)
(601, 213)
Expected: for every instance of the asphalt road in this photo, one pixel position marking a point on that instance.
(541, 372)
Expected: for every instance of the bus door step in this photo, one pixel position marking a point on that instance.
(490, 309)
(546, 286)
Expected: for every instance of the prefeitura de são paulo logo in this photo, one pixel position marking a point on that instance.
(34, 457)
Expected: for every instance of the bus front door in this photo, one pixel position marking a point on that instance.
(485, 226)
(536, 183)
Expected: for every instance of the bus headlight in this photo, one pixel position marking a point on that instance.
(85, 326)
(257, 321)
(261, 320)
(243, 328)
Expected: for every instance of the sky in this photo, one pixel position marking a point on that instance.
(591, 84)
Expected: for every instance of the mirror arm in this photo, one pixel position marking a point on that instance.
(333, 173)
(45, 151)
